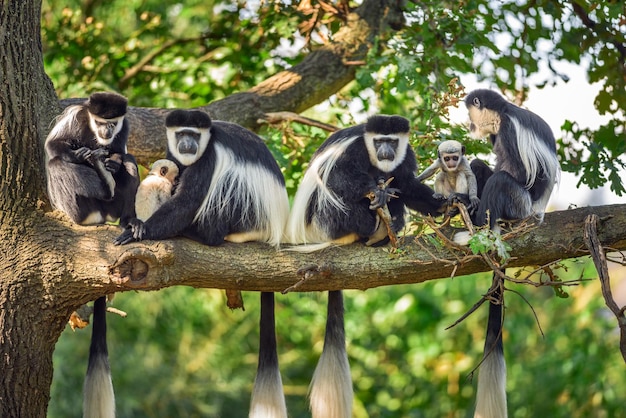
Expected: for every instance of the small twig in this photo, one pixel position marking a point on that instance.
(599, 259)
(307, 272)
(116, 311)
(531, 308)
(495, 285)
(465, 216)
(383, 211)
(447, 241)
(277, 117)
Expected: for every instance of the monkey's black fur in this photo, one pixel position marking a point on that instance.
(353, 176)
(526, 165)
(238, 155)
(98, 397)
(107, 105)
(89, 180)
(332, 207)
(519, 186)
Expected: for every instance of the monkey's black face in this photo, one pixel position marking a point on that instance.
(386, 148)
(187, 144)
(386, 151)
(105, 129)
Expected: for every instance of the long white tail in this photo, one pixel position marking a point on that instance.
(491, 391)
(98, 396)
(268, 400)
(331, 392)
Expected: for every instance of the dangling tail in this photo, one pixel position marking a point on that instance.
(491, 392)
(331, 388)
(98, 396)
(268, 400)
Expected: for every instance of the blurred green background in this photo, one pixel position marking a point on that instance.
(182, 353)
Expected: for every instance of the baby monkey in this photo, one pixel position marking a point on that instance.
(156, 188)
(456, 181)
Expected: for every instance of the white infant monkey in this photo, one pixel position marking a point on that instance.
(156, 188)
(456, 177)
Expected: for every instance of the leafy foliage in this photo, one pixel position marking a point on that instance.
(486, 240)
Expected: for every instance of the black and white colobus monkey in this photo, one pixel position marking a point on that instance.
(156, 188)
(229, 188)
(91, 176)
(456, 179)
(93, 179)
(520, 186)
(331, 208)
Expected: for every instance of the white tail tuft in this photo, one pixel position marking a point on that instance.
(98, 398)
(331, 388)
(491, 392)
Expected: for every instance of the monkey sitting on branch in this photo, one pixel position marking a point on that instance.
(456, 181)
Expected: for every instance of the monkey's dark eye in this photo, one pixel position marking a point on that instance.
(476, 102)
(453, 158)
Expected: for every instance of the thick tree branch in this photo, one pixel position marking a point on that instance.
(152, 265)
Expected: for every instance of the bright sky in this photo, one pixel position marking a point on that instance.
(572, 101)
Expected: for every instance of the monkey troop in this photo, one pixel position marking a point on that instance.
(456, 181)
(331, 207)
(220, 183)
(519, 186)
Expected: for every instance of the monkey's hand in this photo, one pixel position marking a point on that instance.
(382, 194)
(135, 230)
(114, 163)
(474, 202)
(82, 154)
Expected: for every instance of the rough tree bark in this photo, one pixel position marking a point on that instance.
(49, 267)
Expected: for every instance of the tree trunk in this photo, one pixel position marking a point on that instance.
(30, 318)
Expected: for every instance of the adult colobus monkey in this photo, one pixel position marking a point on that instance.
(230, 188)
(331, 207)
(93, 179)
(91, 176)
(156, 188)
(456, 179)
(520, 186)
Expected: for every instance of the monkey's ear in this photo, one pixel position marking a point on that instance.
(463, 150)
(163, 171)
(476, 102)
